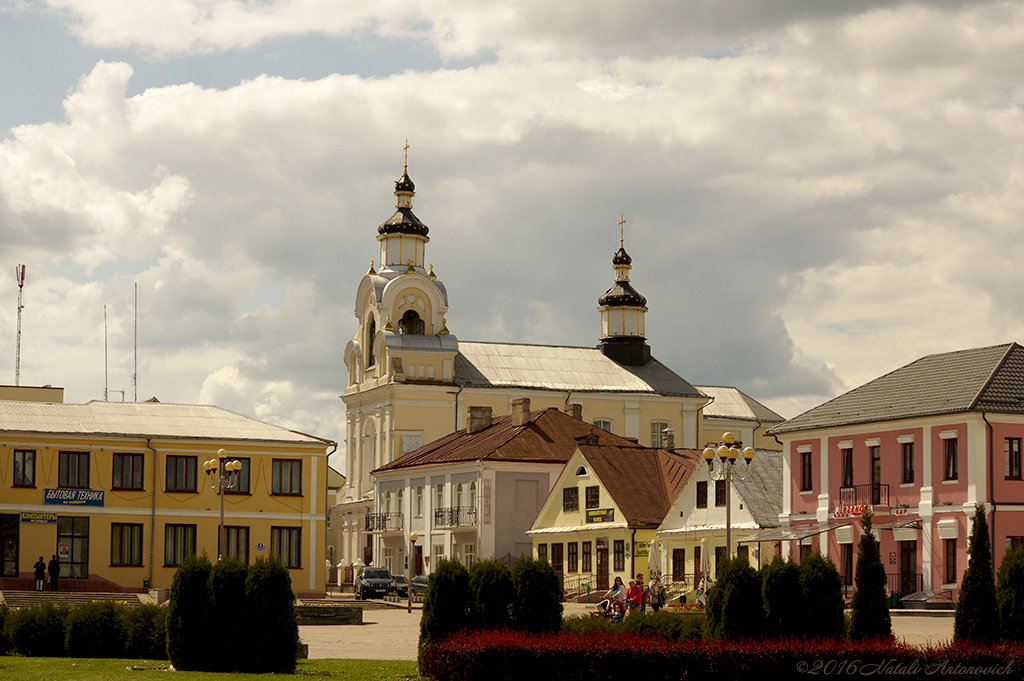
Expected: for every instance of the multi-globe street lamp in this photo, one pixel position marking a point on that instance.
(222, 474)
(722, 466)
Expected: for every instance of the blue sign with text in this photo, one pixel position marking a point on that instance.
(74, 497)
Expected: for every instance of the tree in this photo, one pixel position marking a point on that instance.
(783, 609)
(870, 613)
(537, 606)
(735, 604)
(822, 603)
(187, 641)
(446, 603)
(227, 599)
(491, 594)
(1010, 596)
(977, 616)
(273, 632)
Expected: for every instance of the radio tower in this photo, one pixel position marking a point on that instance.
(19, 273)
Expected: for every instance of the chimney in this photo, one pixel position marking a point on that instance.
(479, 418)
(575, 411)
(520, 411)
(670, 439)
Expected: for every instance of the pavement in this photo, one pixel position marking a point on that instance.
(389, 632)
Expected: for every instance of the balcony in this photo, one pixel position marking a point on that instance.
(384, 522)
(455, 516)
(864, 495)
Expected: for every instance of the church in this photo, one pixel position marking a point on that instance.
(410, 381)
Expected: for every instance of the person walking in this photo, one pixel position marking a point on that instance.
(634, 597)
(656, 593)
(40, 568)
(53, 569)
(646, 596)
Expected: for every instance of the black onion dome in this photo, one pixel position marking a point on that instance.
(620, 295)
(404, 184)
(404, 221)
(621, 257)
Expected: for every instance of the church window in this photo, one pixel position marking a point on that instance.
(411, 324)
(371, 332)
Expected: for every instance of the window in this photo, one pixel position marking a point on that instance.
(951, 469)
(593, 497)
(587, 557)
(572, 556)
(846, 558)
(570, 499)
(1011, 456)
(73, 470)
(385, 503)
(418, 508)
(458, 495)
(719, 558)
(127, 471)
(287, 477)
(806, 482)
(438, 496)
(469, 555)
(236, 543)
(286, 544)
(73, 532)
(181, 474)
(658, 429)
(125, 544)
(1014, 543)
(179, 543)
(556, 557)
(619, 555)
(876, 475)
(908, 462)
(542, 551)
(847, 468)
(719, 492)
(950, 546)
(241, 478)
(24, 468)
(604, 424)
(389, 560)
(702, 494)
(472, 494)
(400, 501)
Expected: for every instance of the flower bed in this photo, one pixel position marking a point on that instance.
(500, 655)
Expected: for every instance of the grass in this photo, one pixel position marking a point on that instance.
(90, 669)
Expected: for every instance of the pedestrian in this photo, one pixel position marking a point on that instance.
(40, 568)
(656, 594)
(634, 597)
(646, 598)
(53, 569)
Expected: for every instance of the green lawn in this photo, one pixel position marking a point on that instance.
(87, 669)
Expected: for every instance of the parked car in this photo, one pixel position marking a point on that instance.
(401, 585)
(419, 585)
(373, 581)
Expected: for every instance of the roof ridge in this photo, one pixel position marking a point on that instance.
(999, 365)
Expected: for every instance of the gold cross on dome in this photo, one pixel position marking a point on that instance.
(622, 221)
(406, 149)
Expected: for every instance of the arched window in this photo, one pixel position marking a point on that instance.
(472, 494)
(398, 501)
(387, 502)
(458, 495)
(371, 332)
(581, 471)
(411, 324)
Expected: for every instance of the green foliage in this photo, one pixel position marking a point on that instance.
(977, 616)
(537, 606)
(735, 606)
(38, 630)
(822, 603)
(227, 599)
(95, 630)
(869, 611)
(491, 595)
(671, 626)
(272, 639)
(5, 612)
(187, 641)
(783, 610)
(446, 603)
(1010, 596)
(145, 633)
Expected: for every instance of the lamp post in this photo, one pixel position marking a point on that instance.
(408, 557)
(722, 466)
(222, 475)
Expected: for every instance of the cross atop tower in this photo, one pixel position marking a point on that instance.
(406, 149)
(622, 221)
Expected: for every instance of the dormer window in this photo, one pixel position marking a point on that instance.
(581, 472)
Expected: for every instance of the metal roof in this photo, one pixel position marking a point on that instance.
(551, 367)
(145, 419)
(762, 490)
(981, 379)
(733, 403)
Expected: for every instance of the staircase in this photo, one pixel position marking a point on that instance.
(22, 599)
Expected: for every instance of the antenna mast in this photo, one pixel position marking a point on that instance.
(135, 372)
(106, 382)
(19, 273)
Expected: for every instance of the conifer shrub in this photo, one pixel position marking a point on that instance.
(228, 599)
(145, 632)
(95, 630)
(491, 594)
(272, 637)
(1010, 596)
(977, 616)
(537, 606)
(783, 612)
(735, 606)
(822, 602)
(37, 630)
(869, 616)
(188, 645)
(5, 612)
(446, 602)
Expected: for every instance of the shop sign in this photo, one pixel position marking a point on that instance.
(43, 518)
(643, 548)
(850, 511)
(601, 515)
(74, 497)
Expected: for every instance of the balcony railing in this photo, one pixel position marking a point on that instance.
(455, 516)
(863, 495)
(384, 522)
(904, 583)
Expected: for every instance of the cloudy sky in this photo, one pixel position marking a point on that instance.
(815, 192)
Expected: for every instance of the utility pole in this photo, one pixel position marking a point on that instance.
(19, 272)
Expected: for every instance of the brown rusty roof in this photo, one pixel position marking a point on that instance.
(643, 481)
(550, 436)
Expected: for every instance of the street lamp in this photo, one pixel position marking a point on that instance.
(222, 475)
(722, 466)
(408, 557)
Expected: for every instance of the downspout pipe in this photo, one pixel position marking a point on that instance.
(152, 517)
(991, 490)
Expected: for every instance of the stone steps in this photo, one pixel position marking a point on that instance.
(22, 599)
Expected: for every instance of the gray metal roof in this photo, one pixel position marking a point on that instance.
(550, 367)
(762, 490)
(733, 403)
(146, 419)
(981, 379)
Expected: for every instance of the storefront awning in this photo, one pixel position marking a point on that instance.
(788, 533)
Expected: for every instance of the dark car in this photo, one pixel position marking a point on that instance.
(419, 585)
(401, 585)
(373, 581)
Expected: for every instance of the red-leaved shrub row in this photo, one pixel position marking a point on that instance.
(510, 655)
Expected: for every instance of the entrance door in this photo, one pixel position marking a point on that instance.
(908, 567)
(73, 546)
(678, 565)
(602, 564)
(368, 550)
(9, 527)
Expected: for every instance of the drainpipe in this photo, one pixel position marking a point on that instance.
(632, 556)
(152, 517)
(991, 489)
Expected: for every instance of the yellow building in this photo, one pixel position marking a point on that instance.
(118, 492)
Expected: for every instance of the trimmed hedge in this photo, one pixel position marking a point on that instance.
(538, 600)
(671, 626)
(95, 630)
(38, 630)
(145, 633)
(491, 594)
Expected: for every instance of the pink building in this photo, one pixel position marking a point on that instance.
(920, 447)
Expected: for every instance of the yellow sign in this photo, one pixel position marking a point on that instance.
(601, 515)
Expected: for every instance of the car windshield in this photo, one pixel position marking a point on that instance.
(400, 579)
(380, 573)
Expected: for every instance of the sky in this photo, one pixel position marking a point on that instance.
(815, 193)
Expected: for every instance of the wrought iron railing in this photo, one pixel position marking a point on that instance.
(384, 522)
(864, 495)
(904, 583)
(455, 516)
(578, 584)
